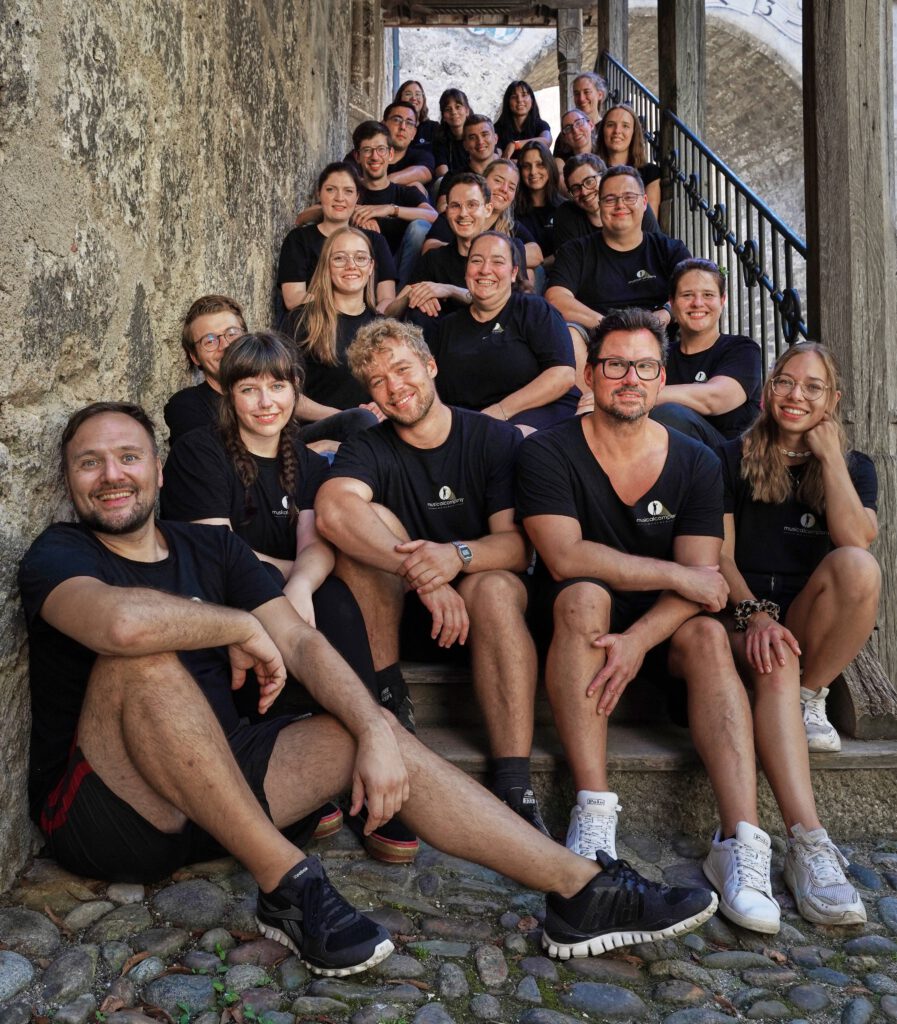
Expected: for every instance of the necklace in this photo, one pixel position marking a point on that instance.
(795, 455)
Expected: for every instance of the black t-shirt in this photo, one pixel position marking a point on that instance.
(426, 131)
(783, 543)
(481, 363)
(301, 251)
(191, 408)
(557, 475)
(392, 228)
(333, 385)
(731, 355)
(510, 134)
(442, 265)
(442, 232)
(201, 482)
(540, 221)
(207, 563)
(572, 222)
(450, 151)
(603, 278)
(649, 172)
(439, 494)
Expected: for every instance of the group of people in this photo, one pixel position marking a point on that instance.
(429, 459)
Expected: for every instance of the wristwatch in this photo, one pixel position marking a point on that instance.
(464, 552)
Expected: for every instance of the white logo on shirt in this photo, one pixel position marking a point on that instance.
(286, 502)
(656, 511)
(655, 508)
(447, 498)
(446, 493)
(700, 376)
(807, 521)
(498, 329)
(642, 275)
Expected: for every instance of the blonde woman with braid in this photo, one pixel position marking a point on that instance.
(800, 514)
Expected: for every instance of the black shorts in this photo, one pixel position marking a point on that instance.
(95, 833)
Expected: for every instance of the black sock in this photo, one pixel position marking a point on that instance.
(508, 772)
(391, 686)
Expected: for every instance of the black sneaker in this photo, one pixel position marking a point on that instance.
(398, 700)
(621, 908)
(326, 932)
(523, 802)
(392, 842)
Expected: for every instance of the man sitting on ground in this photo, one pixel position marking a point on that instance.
(627, 517)
(139, 763)
(422, 512)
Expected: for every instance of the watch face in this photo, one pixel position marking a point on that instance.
(465, 552)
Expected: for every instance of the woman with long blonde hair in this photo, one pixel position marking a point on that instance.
(800, 514)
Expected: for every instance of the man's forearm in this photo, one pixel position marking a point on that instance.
(351, 525)
(662, 620)
(571, 309)
(505, 550)
(615, 568)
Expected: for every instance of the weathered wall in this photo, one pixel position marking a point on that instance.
(149, 153)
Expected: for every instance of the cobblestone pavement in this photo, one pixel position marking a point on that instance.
(74, 951)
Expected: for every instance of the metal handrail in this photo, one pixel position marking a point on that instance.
(721, 218)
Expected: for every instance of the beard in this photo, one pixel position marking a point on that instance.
(423, 407)
(136, 518)
(629, 414)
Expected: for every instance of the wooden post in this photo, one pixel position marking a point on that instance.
(569, 51)
(680, 56)
(852, 269)
(612, 21)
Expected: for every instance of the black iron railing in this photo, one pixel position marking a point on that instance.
(720, 218)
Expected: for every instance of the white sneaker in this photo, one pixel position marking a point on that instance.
(821, 734)
(593, 824)
(814, 874)
(738, 869)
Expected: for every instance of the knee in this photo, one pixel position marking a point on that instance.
(701, 637)
(856, 572)
(493, 594)
(583, 610)
(677, 416)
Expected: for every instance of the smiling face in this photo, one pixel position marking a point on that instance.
(480, 141)
(794, 412)
(617, 216)
(697, 305)
(466, 211)
(577, 130)
(587, 98)
(629, 398)
(350, 264)
(533, 171)
(455, 113)
(520, 102)
(211, 336)
(502, 181)
(414, 96)
(583, 185)
(618, 127)
(338, 196)
(401, 383)
(263, 406)
(112, 473)
(374, 156)
(490, 271)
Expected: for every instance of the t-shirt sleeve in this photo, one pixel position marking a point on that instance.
(740, 361)
(197, 480)
(567, 269)
(408, 195)
(649, 173)
(383, 261)
(249, 583)
(440, 230)
(522, 233)
(865, 479)
(420, 156)
(547, 334)
(701, 515)
(183, 414)
(676, 252)
(293, 263)
(730, 466)
(543, 486)
(314, 471)
(60, 553)
(359, 459)
(502, 453)
(422, 269)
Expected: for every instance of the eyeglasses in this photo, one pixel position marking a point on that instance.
(341, 260)
(210, 342)
(398, 119)
(812, 390)
(615, 368)
(373, 151)
(627, 198)
(471, 206)
(588, 184)
(575, 125)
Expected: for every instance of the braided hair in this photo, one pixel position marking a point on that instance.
(265, 353)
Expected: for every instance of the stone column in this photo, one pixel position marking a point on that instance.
(569, 50)
(852, 268)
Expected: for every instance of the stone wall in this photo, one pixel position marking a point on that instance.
(149, 153)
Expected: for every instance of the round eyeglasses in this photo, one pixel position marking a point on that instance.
(812, 390)
(210, 342)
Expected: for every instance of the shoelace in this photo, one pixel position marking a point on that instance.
(631, 879)
(597, 831)
(321, 903)
(752, 867)
(814, 712)
(825, 860)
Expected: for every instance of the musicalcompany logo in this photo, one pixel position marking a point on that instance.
(447, 499)
(657, 512)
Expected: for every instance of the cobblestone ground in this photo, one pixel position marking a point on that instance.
(73, 951)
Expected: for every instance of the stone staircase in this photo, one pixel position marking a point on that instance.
(654, 768)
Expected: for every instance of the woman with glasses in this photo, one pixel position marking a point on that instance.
(337, 195)
(579, 138)
(800, 514)
(509, 354)
(448, 139)
(621, 140)
(520, 121)
(413, 92)
(538, 196)
(339, 302)
(589, 93)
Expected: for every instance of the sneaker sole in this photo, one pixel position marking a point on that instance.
(381, 952)
(615, 940)
(328, 825)
(752, 924)
(824, 745)
(808, 911)
(391, 851)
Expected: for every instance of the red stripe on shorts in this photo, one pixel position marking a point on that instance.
(63, 796)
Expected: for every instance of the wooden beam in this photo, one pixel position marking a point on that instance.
(612, 26)
(852, 267)
(569, 52)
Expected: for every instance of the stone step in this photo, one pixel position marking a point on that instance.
(653, 766)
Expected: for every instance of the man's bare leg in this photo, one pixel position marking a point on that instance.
(503, 658)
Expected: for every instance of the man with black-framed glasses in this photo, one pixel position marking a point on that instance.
(627, 517)
(619, 267)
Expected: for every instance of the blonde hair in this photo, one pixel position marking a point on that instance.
(505, 221)
(315, 332)
(371, 339)
(763, 465)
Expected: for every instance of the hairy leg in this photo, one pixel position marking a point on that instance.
(504, 659)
